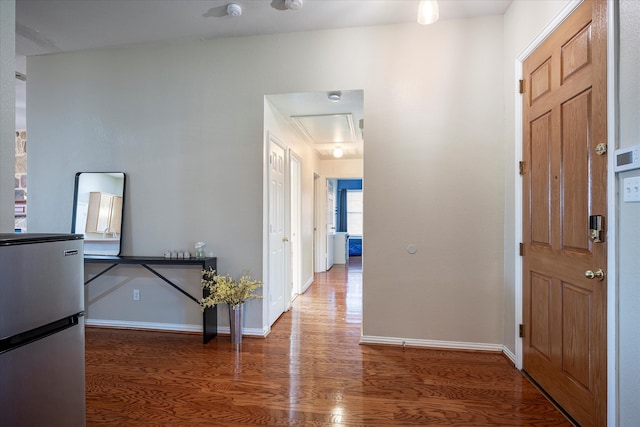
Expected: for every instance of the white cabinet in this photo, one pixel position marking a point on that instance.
(330, 250)
(341, 248)
(104, 213)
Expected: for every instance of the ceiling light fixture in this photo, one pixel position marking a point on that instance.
(428, 12)
(234, 9)
(293, 4)
(337, 152)
(334, 96)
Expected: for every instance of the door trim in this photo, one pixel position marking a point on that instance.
(316, 240)
(266, 261)
(612, 293)
(296, 254)
(612, 215)
(550, 28)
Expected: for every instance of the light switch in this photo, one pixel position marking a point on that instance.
(631, 189)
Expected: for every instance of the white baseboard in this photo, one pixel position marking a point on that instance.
(410, 342)
(173, 327)
(510, 355)
(254, 332)
(306, 285)
(177, 327)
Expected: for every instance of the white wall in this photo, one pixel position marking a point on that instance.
(342, 168)
(433, 174)
(185, 122)
(524, 20)
(629, 219)
(7, 114)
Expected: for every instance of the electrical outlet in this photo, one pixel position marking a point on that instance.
(136, 294)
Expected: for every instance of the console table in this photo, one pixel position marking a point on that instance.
(209, 315)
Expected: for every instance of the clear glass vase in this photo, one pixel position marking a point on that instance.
(200, 252)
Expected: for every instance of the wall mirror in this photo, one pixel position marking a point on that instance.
(98, 205)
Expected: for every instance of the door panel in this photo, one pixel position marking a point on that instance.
(331, 221)
(49, 371)
(540, 81)
(576, 53)
(564, 111)
(576, 312)
(575, 173)
(540, 330)
(541, 177)
(50, 292)
(277, 260)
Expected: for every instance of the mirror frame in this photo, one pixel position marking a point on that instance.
(75, 212)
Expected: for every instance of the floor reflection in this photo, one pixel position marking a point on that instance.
(309, 371)
(327, 315)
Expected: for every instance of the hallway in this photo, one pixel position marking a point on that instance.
(310, 371)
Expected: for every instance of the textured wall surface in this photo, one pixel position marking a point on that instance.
(172, 115)
(7, 113)
(629, 219)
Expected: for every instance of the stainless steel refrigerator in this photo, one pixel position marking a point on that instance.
(42, 377)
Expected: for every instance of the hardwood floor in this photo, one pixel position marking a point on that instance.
(310, 371)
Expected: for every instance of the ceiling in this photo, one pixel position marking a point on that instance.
(324, 124)
(52, 26)
(56, 26)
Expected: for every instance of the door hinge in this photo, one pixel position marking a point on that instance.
(521, 249)
(521, 330)
(522, 167)
(521, 86)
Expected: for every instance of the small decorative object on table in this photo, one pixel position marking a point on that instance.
(226, 290)
(200, 250)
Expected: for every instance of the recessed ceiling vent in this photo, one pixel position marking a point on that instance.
(327, 128)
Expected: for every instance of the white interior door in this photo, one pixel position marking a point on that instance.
(294, 240)
(277, 237)
(318, 253)
(331, 219)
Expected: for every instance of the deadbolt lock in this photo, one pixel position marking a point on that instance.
(598, 274)
(596, 228)
(601, 149)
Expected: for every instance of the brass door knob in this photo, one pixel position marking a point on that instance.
(285, 239)
(598, 274)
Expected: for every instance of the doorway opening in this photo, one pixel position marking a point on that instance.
(308, 127)
(345, 230)
(20, 221)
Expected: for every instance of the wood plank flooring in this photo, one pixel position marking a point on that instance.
(310, 371)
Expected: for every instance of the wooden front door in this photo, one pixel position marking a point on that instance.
(564, 312)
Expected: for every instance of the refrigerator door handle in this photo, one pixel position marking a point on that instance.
(24, 338)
